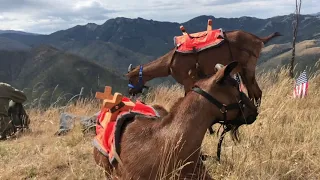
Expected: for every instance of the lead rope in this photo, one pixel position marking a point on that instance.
(225, 130)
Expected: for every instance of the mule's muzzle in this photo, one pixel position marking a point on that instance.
(251, 119)
(133, 91)
(130, 91)
(251, 110)
(257, 102)
(136, 90)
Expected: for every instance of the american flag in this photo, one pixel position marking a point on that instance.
(301, 86)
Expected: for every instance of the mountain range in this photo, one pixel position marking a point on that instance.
(47, 68)
(16, 32)
(154, 38)
(113, 45)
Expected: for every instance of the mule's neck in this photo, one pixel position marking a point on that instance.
(190, 121)
(157, 68)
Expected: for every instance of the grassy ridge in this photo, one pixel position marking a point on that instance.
(282, 144)
(277, 55)
(41, 70)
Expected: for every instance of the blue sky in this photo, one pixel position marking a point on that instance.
(47, 16)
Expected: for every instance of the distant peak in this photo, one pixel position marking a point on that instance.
(204, 17)
(17, 32)
(317, 14)
(129, 20)
(247, 17)
(91, 26)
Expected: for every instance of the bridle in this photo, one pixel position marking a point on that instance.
(140, 85)
(223, 109)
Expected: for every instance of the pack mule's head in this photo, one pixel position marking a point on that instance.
(136, 82)
(234, 107)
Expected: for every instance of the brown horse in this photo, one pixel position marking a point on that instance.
(152, 147)
(185, 68)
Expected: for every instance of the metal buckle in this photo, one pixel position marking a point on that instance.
(140, 71)
(241, 104)
(223, 109)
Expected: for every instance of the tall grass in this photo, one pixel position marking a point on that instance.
(283, 143)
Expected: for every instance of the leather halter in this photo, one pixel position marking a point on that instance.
(139, 81)
(223, 109)
(140, 85)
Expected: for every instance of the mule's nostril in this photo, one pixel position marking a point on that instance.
(251, 119)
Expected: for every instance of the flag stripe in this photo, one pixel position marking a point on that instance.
(301, 85)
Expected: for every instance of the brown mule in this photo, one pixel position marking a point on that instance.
(170, 146)
(187, 68)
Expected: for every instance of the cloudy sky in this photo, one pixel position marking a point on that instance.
(47, 16)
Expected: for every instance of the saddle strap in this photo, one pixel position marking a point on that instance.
(116, 155)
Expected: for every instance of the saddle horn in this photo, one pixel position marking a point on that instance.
(183, 30)
(130, 68)
(209, 25)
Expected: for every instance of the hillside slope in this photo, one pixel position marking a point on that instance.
(12, 45)
(46, 67)
(11, 64)
(16, 32)
(275, 56)
(106, 54)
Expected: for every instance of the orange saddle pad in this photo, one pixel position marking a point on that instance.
(108, 138)
(199, 41)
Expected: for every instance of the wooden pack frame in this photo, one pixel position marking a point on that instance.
(209, 27)
(113, 104)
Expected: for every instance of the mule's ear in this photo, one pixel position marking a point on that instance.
(218, 66)
(228, 69)
(129, 67)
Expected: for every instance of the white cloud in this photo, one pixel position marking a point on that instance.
(47, 16)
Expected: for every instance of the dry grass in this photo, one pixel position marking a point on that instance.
(41, 155)
(282, 144)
